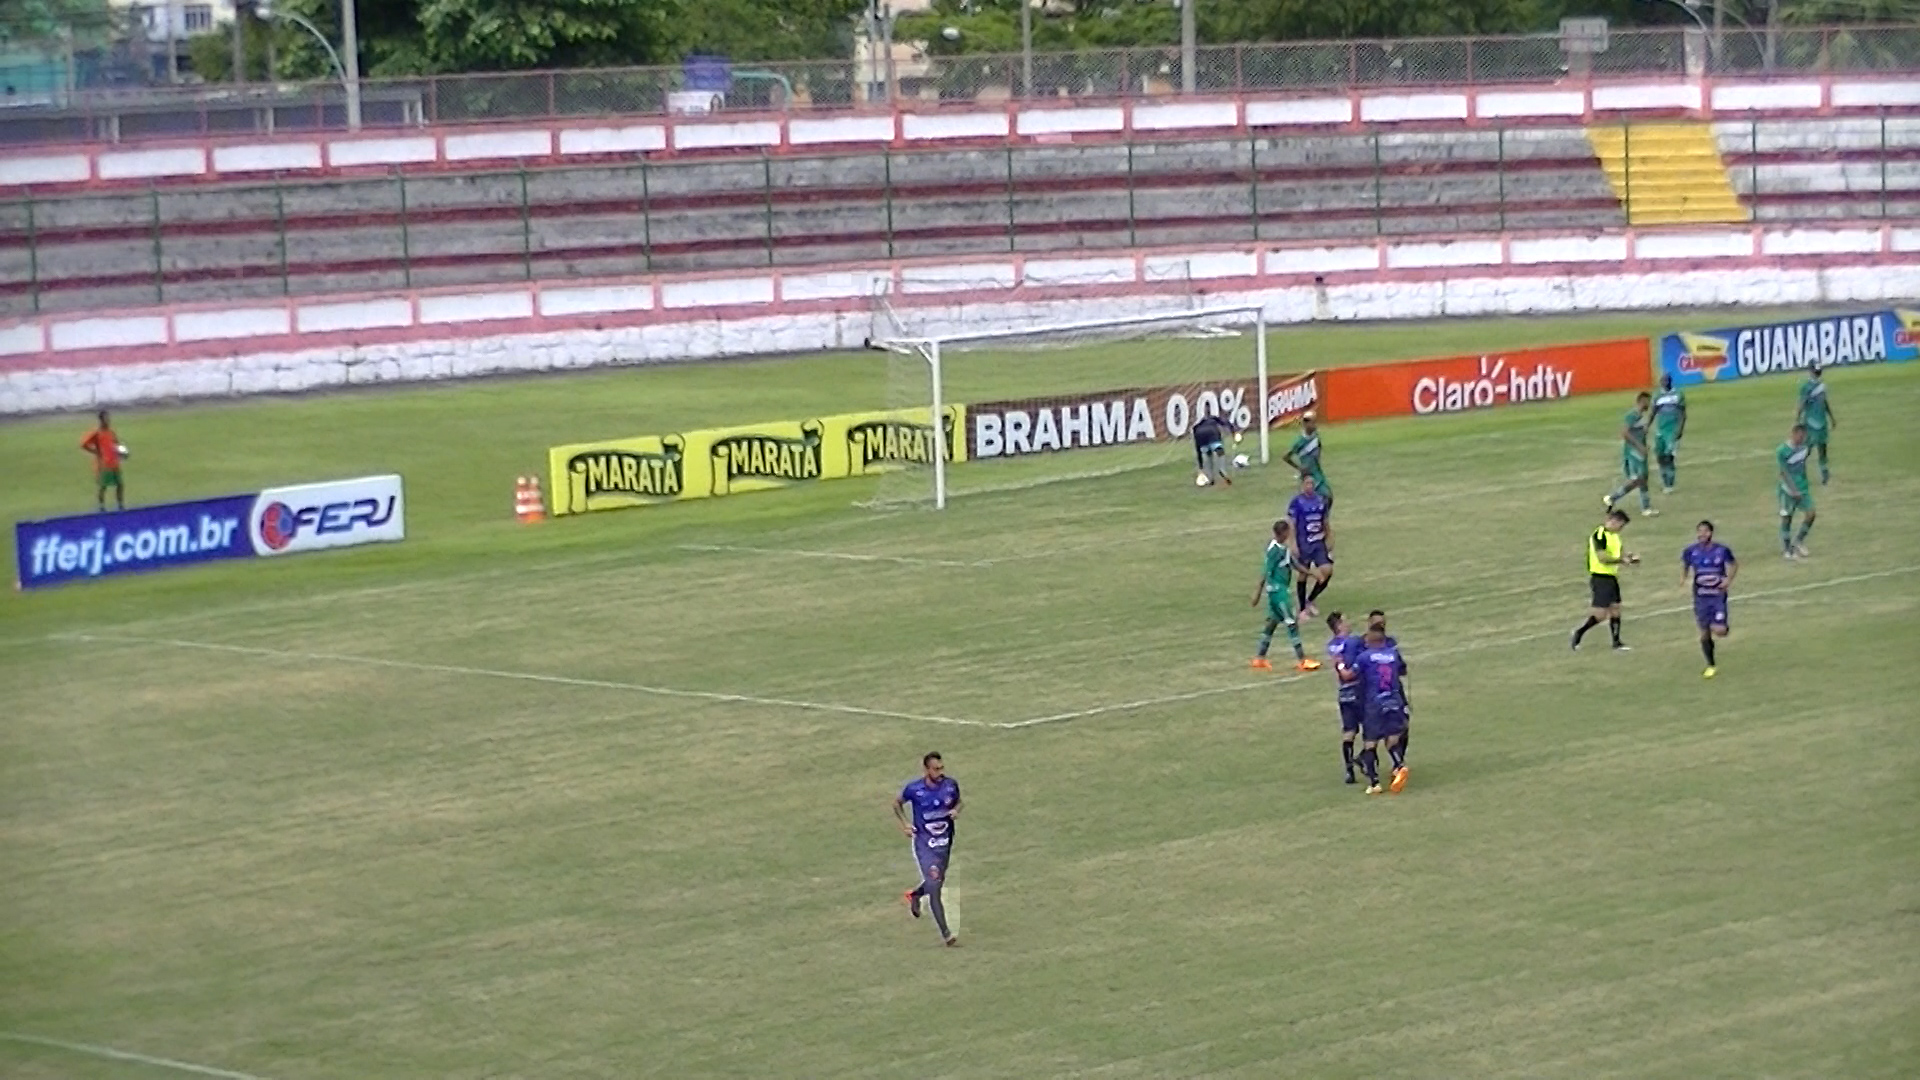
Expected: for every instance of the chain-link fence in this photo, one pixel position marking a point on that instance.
(920, 79)
(106, 249)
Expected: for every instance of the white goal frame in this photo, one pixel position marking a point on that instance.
(929, 349)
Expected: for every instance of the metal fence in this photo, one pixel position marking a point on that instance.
(932, 79)
(174, 245)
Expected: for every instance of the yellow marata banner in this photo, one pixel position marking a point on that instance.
(699, 464)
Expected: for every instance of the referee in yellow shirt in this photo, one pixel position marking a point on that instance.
(1605, 556)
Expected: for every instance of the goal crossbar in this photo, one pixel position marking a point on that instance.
(929, 349)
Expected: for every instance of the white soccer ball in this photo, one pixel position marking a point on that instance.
(1240, 461)
(124, 452)
(1200, 480)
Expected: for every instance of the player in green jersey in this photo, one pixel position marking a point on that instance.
(1791, 461)
(1816, 413)
(1633, 456)
(1304, 456)
(1669, 423)
(1276, 579)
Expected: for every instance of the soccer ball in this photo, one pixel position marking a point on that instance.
(1240, 461)
(124, 452)
(1200, 480)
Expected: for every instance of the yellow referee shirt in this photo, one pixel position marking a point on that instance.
(1603, 542)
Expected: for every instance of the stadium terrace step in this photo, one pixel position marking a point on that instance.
(1668, 173)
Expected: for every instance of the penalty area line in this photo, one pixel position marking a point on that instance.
(840, 556)
(527, 676)
(1196, 695)
(108, 1053)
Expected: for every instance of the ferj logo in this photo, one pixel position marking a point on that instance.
(1908, 336)
(1704, 354)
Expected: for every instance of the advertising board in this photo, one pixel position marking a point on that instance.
(1118, 417)
(279, 521)
(711, 462)
(1491, 380)
(1742, 352)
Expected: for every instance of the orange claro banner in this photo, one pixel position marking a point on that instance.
(1486, 381)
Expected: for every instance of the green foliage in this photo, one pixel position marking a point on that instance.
(753, 30)
(211, 54)
(1296, 20)
(34, 22)
(505, 35)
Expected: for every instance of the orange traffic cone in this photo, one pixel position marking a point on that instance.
(528, 504)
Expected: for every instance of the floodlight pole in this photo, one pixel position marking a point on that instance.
(1026, 50)
(1260, 367)
(1189, 45)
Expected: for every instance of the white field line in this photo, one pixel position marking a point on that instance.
(1194, 695)
(843, 556)
(522, 676)
(110, 1054)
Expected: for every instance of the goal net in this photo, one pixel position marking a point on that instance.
(1032, 405)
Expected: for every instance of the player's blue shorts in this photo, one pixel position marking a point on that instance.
(1315, 555)
(1380, 723)
(1710, 611)
(1350, 715)
(933, 850)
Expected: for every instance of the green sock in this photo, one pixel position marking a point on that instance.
(1786, 532)
(1806, 526)
(1293, 638)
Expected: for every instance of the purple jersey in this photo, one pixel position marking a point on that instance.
(1709, 563)
(1381, 669)
(1309, 514)
(1340, 652)
(932, 803)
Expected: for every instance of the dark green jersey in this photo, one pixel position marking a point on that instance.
(1279, 568)
(1669, 412)
(1813, 403)
(1635, 435)
(1306, 452)
(1792, 462)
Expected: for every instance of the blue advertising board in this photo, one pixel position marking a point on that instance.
(128, 541)
(1743, 352)
(277, 521)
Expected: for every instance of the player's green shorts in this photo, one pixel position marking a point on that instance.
(1280, 607)
(108, 478)
(1816, 434)
(1665, 445)
(1792, 501)
(1632, 464)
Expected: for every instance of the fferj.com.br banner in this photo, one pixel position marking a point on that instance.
(1693, 357)
(278, 521)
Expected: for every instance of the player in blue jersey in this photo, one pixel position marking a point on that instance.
(925, 810)
(1340, 649)
(1383, 695)
(1312, 515)
(1709, 567)
(1210, 447)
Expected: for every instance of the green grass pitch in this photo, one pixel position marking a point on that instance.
(608, 797)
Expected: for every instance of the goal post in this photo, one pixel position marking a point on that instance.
(1176, 365)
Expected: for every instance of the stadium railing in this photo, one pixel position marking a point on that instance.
(933, 79)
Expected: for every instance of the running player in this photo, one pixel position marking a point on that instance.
(1274, 581)
(935, 801)
(1304, 456)
(1210, 447)
(1605, 556)
(1633, 456)
(1310, 514)
(1669, 423)
(1340, 649)
(1795, 494)
(1383, 690)
(107, 453)
(1817, 415)
(1709, 567)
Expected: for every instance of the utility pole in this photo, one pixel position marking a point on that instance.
(173, 42)
(1026, 48)
(1189, 45)
(239, 45)
(350, 45)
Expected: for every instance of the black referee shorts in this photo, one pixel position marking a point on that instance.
(1606, 589)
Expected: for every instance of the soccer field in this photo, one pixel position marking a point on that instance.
(608, 797)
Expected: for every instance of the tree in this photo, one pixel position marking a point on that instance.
(504, 35)
(752, 30)
(39, 22)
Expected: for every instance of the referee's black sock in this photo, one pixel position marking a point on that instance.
(1300, 591)
(1613, 627)
(1706, 647)
(1584, 627)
